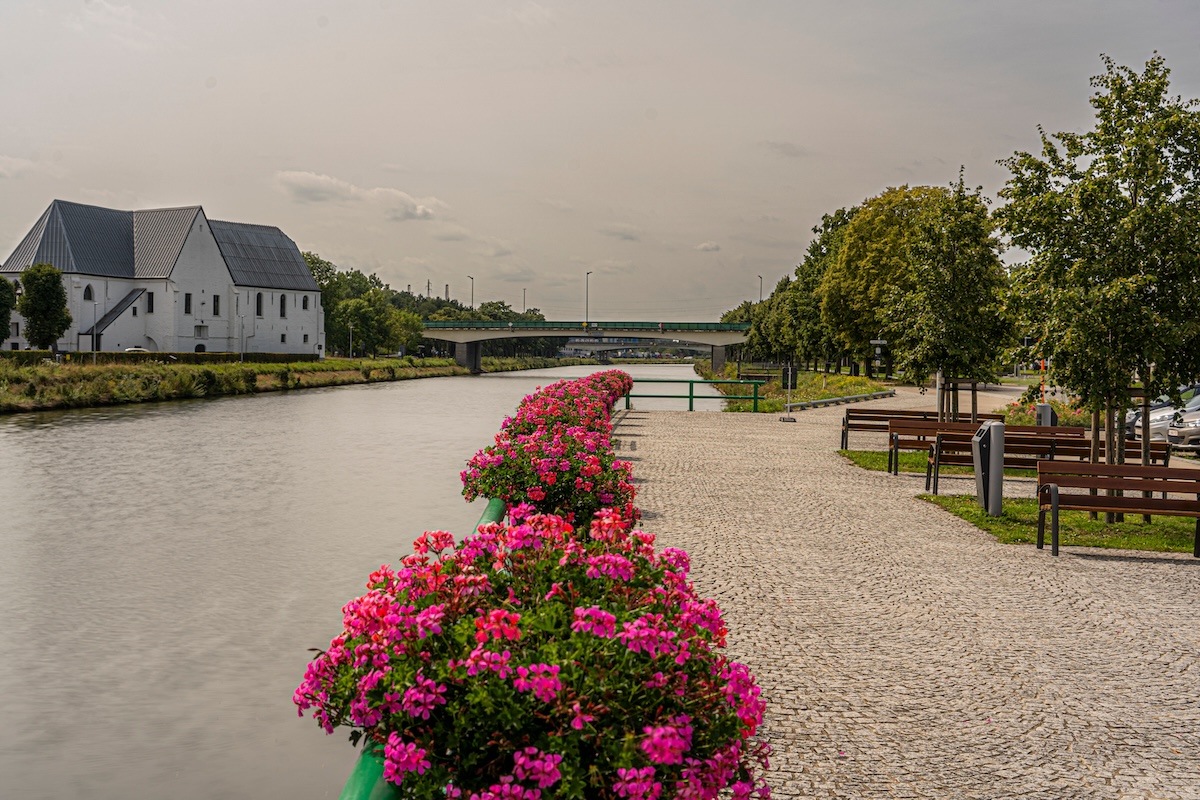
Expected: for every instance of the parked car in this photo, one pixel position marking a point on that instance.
(1184, 433)
(1162, 420)
(1134, 416)
(136, 350)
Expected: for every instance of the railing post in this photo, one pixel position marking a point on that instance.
(691, 395)
(755, 409)
(627, 406)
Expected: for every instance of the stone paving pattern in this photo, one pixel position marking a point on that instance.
(903, 652)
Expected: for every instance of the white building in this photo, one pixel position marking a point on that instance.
(172, 280)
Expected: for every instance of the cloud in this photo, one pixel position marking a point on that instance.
(122, 24)
(558, 205)
(765, 241)
(313, 187)
(786, 149)
(708, 247)
(11, 167)
(448, 232)
(492, 248)
(621, 230)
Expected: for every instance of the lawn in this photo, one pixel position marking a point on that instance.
(915, 462)
(1018, 525)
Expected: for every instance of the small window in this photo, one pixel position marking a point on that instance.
(201, 331)
(306, 338)
(258, 305)
(16, 330)
(16, 346)
(149, 302)
(201, 348)
(283, 305)
(187, 303)
(216, 305)
(283, 338)
(304, 303)
(135, 311)
(88, 294)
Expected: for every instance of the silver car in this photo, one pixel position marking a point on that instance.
(1162, 419)
(1184, 433)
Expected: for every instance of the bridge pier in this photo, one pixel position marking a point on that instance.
(718, 358)
(469, 355)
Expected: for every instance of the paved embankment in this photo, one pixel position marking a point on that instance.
(903, 652)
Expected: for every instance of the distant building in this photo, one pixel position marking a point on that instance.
(171, 280)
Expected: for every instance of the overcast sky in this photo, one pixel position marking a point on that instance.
(677, 150)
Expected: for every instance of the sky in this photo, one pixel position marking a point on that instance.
(675, 150)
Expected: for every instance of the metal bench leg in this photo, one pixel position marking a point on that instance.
(1053, 519)
(1041, 537)
(937, 467)
(1196, 540)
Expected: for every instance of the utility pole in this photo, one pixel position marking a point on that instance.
(587, 278)
(523, 300)
(352, 340)
(760, 288)
(472, 292)
(94, 333)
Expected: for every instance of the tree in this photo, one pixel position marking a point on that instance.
(323, 271)
(872, 263)
(1111, 219)
(43, 304)
(8, 301)
(952, 318)
(408, 329)
(815, 338)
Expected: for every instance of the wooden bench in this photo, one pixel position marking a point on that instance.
(876, 419)
(1135, 487)
(1027, 451)
(920, 434)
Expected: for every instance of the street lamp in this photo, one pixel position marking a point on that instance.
(241, 337)
(587, 279)
(94, 332)
(760, 288)
(352, 340)
(523, 291)
(472, 293)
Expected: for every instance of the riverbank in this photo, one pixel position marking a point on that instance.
(50, 386)
(773, 396)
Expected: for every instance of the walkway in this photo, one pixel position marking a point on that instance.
(906, 654)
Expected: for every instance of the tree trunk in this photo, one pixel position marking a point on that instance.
(974, 402)
(1146, 440)
(1095, 454)
(1110, 452)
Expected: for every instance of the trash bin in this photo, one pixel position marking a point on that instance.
(987, 452)
(1046, 415)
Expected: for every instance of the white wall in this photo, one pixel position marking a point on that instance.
(201, 272)
(265, 333)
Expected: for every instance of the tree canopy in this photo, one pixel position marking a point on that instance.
(43, 304)
(1111, 219)
(8, 301)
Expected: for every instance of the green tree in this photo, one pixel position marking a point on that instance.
(815, 338)
(43, 304)
(408, 329)
(872, 262)
(1111, 220)
(953, 317)
(8, 301)
(323, 271)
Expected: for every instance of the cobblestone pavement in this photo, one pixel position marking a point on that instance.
(903, 652)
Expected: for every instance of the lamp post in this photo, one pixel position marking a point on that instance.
(587, 279)
(523, 300)
(241, 337)
(472, 292)
(352, 340)
(94, 332)
(760, 288)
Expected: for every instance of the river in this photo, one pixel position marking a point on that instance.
(164, 569)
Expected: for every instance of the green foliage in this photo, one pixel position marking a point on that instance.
(872, 263)
(8, 301)
(952, 316)
(1022, 413)
(1111, 218)
(44, 306)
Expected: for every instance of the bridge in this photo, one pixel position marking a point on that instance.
(467, 334)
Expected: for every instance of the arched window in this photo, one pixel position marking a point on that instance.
(87, 293)
(305, 303)
(258, 305)
(283, 305)
(201, 348)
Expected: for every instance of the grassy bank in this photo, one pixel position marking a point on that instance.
(772, 396)
(44, 387)
(915, 461)
(1018, 525)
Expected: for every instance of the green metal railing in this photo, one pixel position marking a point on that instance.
(366, 780)
(692, 396)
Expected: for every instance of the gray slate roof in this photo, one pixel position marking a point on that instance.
(91, 240)
(262, 255)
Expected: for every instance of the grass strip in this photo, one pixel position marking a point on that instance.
(911, 461)
(1018, 525)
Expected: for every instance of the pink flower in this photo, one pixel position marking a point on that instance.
(534, 765)
(594, 620)
(423, 697)
(666, 744)
(637, 784)
(541, 679)
(577, 722)
(401, 757)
